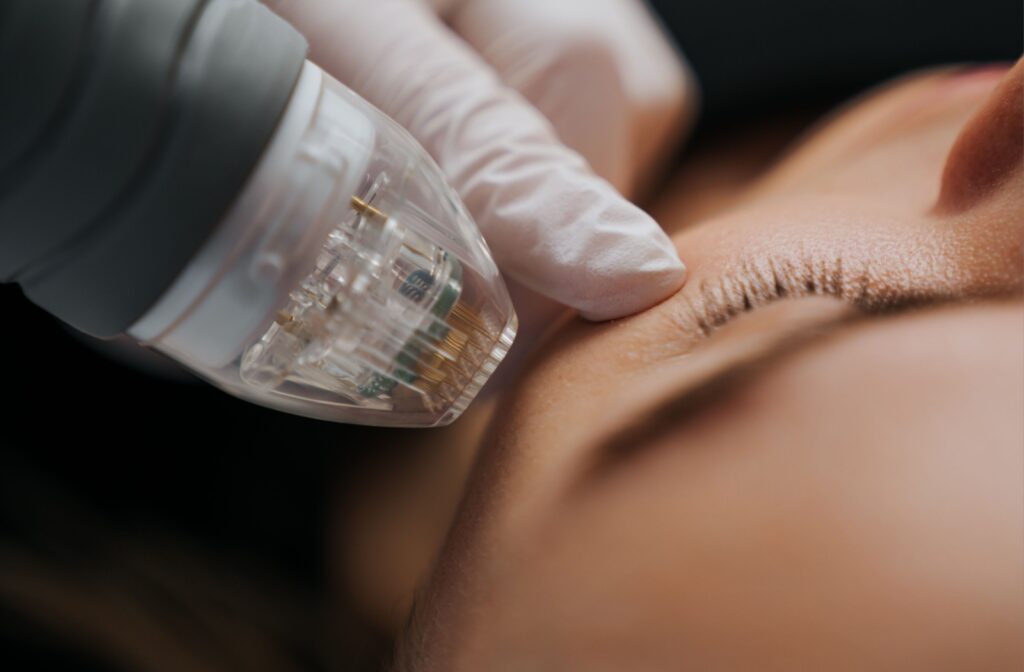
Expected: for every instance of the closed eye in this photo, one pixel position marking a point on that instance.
(760, 280)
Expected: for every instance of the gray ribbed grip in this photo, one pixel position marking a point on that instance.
(129, 129)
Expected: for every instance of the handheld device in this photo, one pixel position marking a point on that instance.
(178, 171)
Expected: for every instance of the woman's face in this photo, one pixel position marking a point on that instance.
(875, 210)
(744, 475)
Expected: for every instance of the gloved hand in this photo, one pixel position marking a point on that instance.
(601, 72)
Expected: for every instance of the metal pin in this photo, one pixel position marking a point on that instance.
(290, 325)
(364, 208)
(446, 365)
(454, 343)
(433, 373)
(462, 315)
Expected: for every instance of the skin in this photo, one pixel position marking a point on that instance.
(809, 458)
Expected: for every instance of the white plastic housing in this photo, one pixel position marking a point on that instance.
(346, 283)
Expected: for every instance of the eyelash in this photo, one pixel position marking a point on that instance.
(755, 284)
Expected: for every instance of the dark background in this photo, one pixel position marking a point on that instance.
(761, 58)
(95, 452)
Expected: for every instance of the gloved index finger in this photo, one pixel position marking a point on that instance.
(552, 224)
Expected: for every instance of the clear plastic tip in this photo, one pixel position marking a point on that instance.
(347, 283)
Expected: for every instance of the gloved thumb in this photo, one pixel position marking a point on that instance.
(552, 224)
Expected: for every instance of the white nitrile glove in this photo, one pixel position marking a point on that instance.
(553, 225)
(600, 70)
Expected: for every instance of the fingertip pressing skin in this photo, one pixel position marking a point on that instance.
(646, 280)
(552, 224)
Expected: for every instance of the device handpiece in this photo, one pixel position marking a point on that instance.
(178, 171)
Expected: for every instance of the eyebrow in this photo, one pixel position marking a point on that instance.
(710, 386)
(707, 388)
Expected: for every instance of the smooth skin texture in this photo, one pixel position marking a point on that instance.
(753, 474)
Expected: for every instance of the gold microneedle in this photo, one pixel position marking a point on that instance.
(364, 208)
